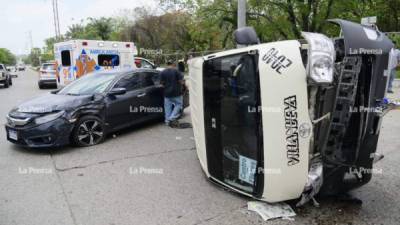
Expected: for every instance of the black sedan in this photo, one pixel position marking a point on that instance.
(85, 111)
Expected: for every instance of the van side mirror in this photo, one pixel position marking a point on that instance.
(117, 91)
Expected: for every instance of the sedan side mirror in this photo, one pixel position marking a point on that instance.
(117, 91)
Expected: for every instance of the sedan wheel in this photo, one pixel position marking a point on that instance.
(88, 131)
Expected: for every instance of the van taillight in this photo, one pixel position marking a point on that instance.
(128, 45)
(84, 43)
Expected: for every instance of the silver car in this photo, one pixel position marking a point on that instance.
(47, 75)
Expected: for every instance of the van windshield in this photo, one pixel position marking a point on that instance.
(233, 126)
(90, 84)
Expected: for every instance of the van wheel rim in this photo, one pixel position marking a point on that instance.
(90, 132)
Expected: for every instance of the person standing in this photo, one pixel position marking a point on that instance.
(395, 62)
(172, 81)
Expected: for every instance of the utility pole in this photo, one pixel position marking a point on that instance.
(56, 19)
(241, 13)
(30, 39)
(241, 16)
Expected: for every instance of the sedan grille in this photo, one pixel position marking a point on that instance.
(17, 122)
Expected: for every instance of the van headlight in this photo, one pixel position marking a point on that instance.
(48, 118)
(321, 57)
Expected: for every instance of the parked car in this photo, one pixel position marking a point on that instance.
(146, 64)
(21, 67)
(12, 70)
(47, 75)
(5, 77)
(88, 109)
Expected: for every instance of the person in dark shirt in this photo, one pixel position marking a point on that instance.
(172, 81)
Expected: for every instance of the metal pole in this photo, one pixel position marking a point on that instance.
(241, 16)
(56, 19)
(241, 13)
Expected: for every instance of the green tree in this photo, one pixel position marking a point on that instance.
(94, 29)
(281, 19)
(35, 57)
(6, 57)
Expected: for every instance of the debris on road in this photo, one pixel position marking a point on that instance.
(313, 185)
(271, 211)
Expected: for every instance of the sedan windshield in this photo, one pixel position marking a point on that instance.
(89, 84)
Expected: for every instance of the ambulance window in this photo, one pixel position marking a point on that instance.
(108, 60)
(66, 58)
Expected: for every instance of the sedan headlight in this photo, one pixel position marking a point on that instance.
(321, 57)
(49, 117)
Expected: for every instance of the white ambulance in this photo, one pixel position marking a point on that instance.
(75, 58)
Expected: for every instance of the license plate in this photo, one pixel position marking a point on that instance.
(12, 134)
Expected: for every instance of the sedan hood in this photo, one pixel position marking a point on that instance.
(52, 102)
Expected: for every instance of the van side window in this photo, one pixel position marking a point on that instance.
(108, 60)
(66, 58)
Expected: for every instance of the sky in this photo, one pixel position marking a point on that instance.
(19, 18)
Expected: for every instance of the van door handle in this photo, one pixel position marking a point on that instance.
(141, 95)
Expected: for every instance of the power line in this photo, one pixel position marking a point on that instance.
(56, 19)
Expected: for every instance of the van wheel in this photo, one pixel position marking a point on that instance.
(88, 131)
(6, 83)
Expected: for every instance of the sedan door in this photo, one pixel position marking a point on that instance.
(124, 110)
(153, 107)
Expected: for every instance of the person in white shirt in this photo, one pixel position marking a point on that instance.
(394, 64)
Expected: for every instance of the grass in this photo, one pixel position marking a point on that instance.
(398, 74)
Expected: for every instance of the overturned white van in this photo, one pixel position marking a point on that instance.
(275, 121)
(75, 58)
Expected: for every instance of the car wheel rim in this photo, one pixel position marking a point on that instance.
(90, 132)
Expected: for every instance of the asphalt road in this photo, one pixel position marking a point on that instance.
(151, 175)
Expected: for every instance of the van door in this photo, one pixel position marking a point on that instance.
(232, 119)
